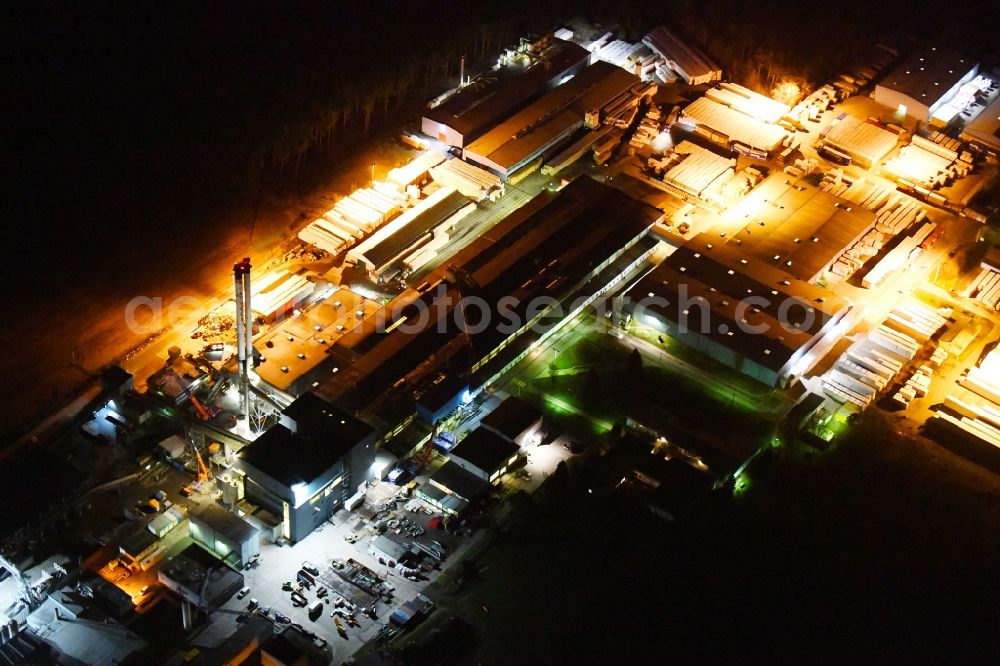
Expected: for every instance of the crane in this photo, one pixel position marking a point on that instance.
(203, 473)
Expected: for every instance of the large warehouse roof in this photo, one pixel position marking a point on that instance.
(986, 126)
(735, 125)
(536, 251)
(497, 94)
(802, 225)
(528, 133)
(928, 73)
(708, 286)
(861, 140)
(297, 345)
(389, 241)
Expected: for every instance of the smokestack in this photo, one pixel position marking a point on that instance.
(241, 352)
(461, 71)
(244, 334)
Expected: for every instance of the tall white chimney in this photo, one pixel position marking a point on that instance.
(244, 335)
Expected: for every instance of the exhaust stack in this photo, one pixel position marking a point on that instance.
(244, 335)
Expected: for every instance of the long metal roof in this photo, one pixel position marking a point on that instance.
(735, 125)
(496, 94)
(928, 73)
(531, 131)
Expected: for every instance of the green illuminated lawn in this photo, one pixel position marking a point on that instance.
(591, 378)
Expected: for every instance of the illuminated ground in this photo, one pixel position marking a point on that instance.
(875, 551)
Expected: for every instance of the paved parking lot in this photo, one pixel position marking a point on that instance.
(328, 543)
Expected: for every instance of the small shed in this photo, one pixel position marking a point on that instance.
(385, 550)
(173, 447)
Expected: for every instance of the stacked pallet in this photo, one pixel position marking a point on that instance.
(915, 320)
(871, 196)
(470, 180)
(924, 162)
(898, 256)
(413, 171)
(896, 213)
(621, 53)
(986, 288)
(871, 364)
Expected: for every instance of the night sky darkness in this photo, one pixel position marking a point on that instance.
(131, 124)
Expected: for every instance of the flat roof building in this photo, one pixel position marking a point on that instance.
(224, 533)
(301, 469)
(440, 396)
(199, 577)
(554, 117)
(794, 226)
(925, 81)
(741, 311)
(515, 419)
(486, 454)
(292, 356)
(501, 91)
(456, 483)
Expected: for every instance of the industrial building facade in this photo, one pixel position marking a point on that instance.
(925, 81)
(528, 134)
(486, 455)
(301, 469)
(227, 535)
(498, 93)
(738, 310)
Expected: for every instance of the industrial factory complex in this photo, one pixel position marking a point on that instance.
(292, 474)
